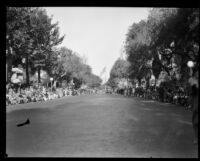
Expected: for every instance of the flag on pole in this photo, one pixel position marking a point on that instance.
(103, 71)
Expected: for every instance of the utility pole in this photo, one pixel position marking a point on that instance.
(6, 72)
(102, 73)
(105, 82)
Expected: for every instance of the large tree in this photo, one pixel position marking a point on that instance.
(45, 36)
(119, 71)
(137, 50)
(177, 37)
(31, 35)
(169, 37)
(70, 65)
(16, 28)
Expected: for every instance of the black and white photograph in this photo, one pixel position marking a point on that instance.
(102, 82)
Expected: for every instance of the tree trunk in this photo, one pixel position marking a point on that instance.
(55, 83)
(6, 71)
(155, 82)
(147, 83)
(9, 68)
(139, 82)
(27, 71)
(39, 74)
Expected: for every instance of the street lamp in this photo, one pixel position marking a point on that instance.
(23, 60)
(190, 64)
(51, 79)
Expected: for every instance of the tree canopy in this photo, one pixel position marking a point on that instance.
(119, 71)
(70, 65)
(30, 34)
(168, 39)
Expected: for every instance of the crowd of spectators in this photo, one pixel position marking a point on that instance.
(178, 96)
(20, 95)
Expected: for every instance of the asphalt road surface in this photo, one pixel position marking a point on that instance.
(100, 125)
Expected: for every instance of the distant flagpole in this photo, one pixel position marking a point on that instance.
(103, 73)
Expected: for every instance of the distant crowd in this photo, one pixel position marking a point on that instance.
(178, 96)
(21, 95)
(34, 93)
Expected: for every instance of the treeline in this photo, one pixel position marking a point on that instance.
(163, 43)
(166, 41)
(31, 41)
(68, 64)
(118, 73)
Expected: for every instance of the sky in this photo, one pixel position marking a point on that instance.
(97, 33)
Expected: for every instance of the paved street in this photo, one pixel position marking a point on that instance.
(100, 125)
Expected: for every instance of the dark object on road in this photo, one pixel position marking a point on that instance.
(22, 124)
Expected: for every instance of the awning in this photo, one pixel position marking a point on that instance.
(16, 79)
(17, 70)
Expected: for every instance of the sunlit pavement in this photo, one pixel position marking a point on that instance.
(100, 125)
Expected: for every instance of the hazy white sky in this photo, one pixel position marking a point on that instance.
(96, 32)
